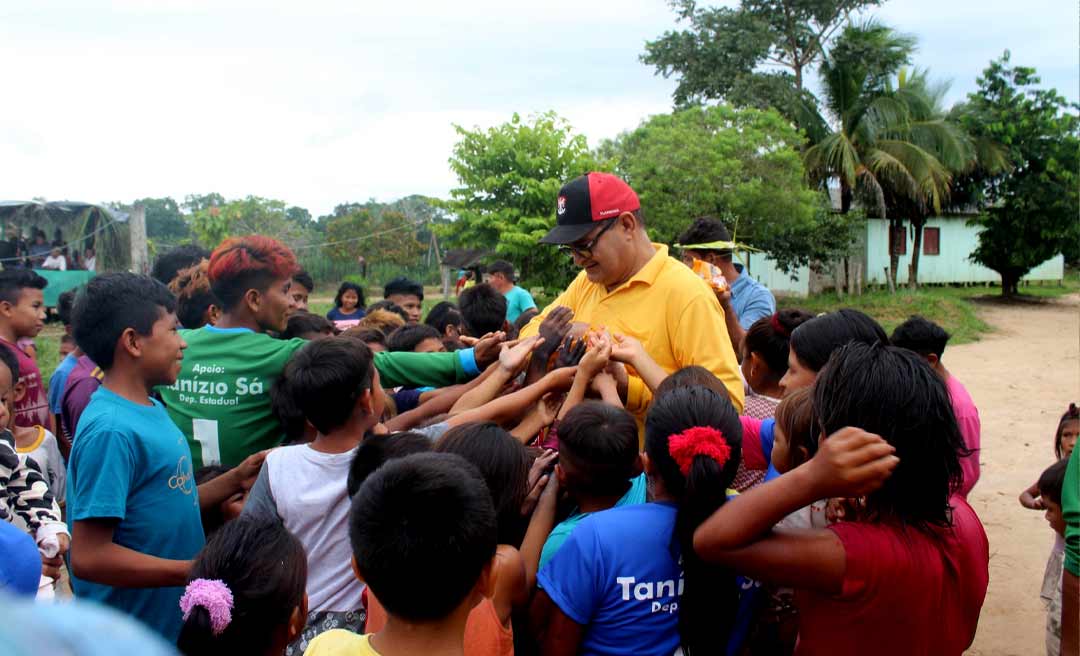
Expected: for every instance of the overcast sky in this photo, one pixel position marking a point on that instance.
(318, 103)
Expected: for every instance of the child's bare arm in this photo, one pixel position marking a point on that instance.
(562, 635)
(97, 558)
(630, 351)
(511, 361)
(1030, 498)
(510, 406)
(850, 463)
(540, 526)
(592, 363)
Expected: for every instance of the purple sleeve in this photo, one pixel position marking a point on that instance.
(76, 397)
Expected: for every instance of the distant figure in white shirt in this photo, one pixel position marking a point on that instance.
(56, 261)
(90, 260)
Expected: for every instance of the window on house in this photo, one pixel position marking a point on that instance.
(931, 241)
(897, 241)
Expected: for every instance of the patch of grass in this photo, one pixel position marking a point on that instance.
(48, 349)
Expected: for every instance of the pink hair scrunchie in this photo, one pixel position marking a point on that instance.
(214, 596)
(698, 441)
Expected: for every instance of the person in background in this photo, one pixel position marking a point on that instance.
(22, 316)
(631, 287)
(407, 294)
(56, 260)
(502, 278)
(302, 286)
(171, 262)
(348, 307)
(483, 309)
(90, 259)
(196, 305)
(1050, 485)
(446, 318)
(306, 325)
(39, 250)
(418, 338)
(748, 300)
(385, 321)
(928, 340)
(765, 350)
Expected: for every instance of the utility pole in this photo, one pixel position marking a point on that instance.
(140, 258)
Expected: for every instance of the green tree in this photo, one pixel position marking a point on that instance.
(739, 164)
(212, 223)
(164, 220)
(509, 176)
(1030, 208)
(726, 51)
(386, 236)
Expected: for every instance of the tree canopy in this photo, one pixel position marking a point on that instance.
(509, 177)
(1030, 208)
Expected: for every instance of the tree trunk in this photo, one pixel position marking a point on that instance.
(894, 255)
(1009, 282)
(917, 222)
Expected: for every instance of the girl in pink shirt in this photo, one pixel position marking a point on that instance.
(908, 572)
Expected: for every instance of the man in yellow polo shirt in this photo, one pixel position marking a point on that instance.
(633, 287)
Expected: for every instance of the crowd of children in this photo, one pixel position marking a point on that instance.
(245, 477)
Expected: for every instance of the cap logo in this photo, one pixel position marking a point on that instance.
(561, 209)
(609, 212)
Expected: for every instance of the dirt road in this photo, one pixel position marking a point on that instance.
(1022, 377)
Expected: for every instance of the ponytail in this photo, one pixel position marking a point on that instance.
(694, 438)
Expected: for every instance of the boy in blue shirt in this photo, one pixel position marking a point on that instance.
(133, 506)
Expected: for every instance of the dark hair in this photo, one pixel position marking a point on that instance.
(11, 361)
(211, 517)
(110, 304)
(708, 604)
(483, 309)
(894, 393)
(304, 323)
(1072, 414)
(388, 306)
(705, 230)
(503, 463)
(304, 278)
(423, 522)
(64, 305)
(265, 569)
(692, 376)
(326, 378)
(1053, 480)
(346, 286)
(409, 336)
(243, 263)
(377, 450)
(599, 442)
(193, 294)
(442, 315)
(13, 281)
(795, 416)
(67, 339)
(815, 340)
(921, 335)
(770, 337)
(283, 407)
(503, 267)
(366, 335)
(524, 318)
(405, 287)
(169, 263)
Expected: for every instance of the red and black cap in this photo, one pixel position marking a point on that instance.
(585, 201)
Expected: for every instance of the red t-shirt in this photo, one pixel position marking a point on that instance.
(33, 410)
(905, 592)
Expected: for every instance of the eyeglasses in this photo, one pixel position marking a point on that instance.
(585, 250)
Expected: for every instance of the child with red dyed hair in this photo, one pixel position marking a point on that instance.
(221, 399)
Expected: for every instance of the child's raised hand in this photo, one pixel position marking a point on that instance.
(487, 348)
(570, 353)
(547, 409)
(560, 380)
(626, 349)
(851, 463)
(598, 355)
(513, 358)
(248, 470)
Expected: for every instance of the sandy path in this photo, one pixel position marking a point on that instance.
(1022, 377)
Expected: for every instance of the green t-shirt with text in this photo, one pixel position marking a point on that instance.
(221, 399)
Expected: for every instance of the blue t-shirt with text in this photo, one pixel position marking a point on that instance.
(619, 575)
(131, 463)
(517, 301)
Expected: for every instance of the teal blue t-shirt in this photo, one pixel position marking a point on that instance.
(517, 301)
(131, 463)
(633, 496)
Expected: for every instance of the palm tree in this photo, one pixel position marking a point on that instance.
(890, 144)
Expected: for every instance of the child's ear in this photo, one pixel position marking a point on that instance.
(5, 308)
(129, 342)
(638, 465)
(20, 391)
(485, 585)
(355, 571)
(253, 299)
(803, 455)
(366, 401)
(560, 474)
(213, 313)
(298, 619)
(932, 359)
(647, 465)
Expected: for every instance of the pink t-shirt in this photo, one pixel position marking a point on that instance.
(33, 410)
(905, 592)
(967, 417)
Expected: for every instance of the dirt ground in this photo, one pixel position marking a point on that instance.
(1022, 377)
